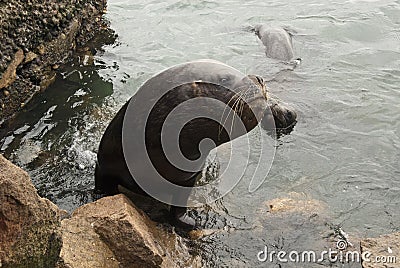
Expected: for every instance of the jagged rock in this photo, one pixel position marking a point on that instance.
(10, 73)
(383, 251)
(82, 247)
(112, 232)
(29, 224)
(30, 56)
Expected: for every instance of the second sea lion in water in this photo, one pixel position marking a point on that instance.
(277, 42)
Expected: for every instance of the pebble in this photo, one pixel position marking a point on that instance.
(6, 93)
(41, 49)
(30, 56)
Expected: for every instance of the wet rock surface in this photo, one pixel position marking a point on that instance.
(383, 251)
(112, 232)
(29, 224)
(35, 36)
(280, 220)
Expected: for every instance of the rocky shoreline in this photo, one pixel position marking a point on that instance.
(111, 232)
(37, 36)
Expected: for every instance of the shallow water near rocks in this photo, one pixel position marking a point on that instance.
(344, 150)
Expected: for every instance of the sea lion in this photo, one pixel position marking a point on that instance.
(277, 42)
(135, 149)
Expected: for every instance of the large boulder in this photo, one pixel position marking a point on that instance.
(29, 224)
(112, 232)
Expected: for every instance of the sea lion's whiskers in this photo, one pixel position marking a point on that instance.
(237, 109)
(239, 104)
(230, 109)
(239, 96)
(242, 102)
(235, 106)
(241, 109)
(223, 112)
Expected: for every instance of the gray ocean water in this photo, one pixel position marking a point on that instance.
(344, 150)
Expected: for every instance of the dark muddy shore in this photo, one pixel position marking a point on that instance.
(35, 38)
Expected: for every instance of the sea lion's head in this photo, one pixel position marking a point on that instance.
(257, 29)
(248, 98)
(276, 116)
(259, 106)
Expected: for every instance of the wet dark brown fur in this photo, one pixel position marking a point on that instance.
(112, 170)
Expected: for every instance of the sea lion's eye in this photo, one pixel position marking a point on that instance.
(226, 78)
